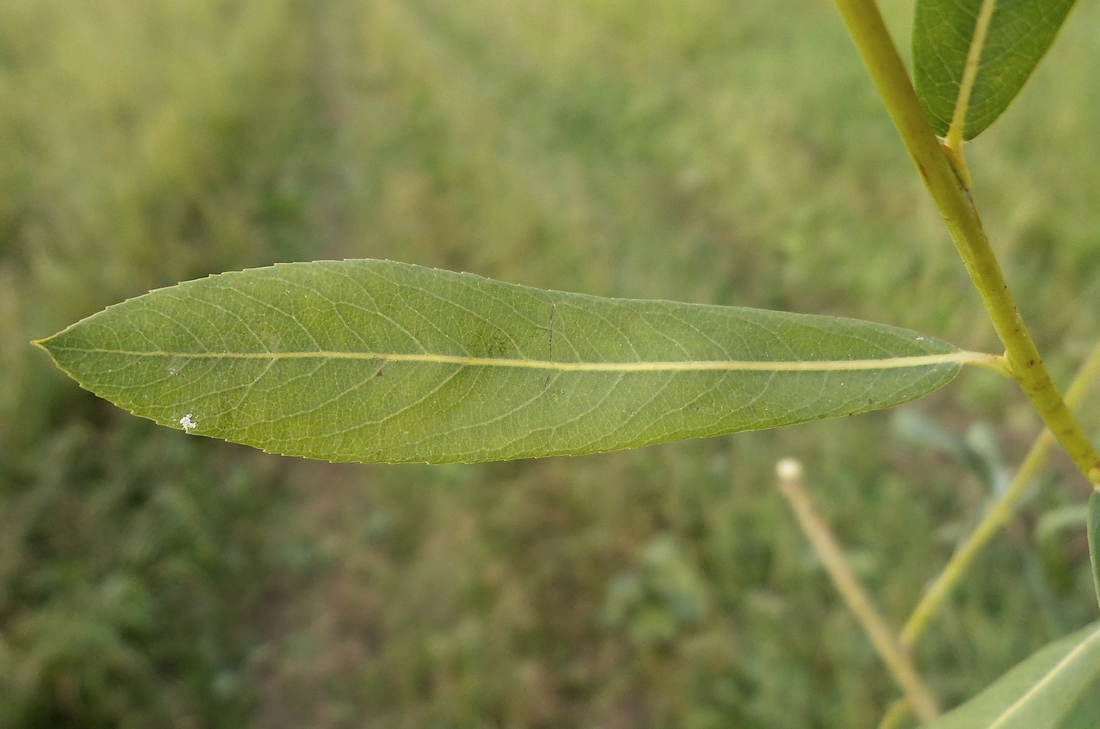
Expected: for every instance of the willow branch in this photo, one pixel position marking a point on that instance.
(881, 57)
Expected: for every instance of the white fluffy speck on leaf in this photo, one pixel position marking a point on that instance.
(187, 423)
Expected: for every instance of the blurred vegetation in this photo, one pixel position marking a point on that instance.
(702, 150)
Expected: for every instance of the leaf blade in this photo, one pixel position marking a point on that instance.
(1038, 692)
(1019, 34)
(382, 361)
(1093, 531)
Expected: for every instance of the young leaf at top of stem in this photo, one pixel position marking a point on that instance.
(971, 57)
(381, 361)
(1038, 692)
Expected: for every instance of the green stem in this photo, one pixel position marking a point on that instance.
(881, 57)
(998, 515)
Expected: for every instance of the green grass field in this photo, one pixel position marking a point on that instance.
(701, 150)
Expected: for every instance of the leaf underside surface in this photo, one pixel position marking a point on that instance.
(376, 361)
(1037, 693)
(1020, 32)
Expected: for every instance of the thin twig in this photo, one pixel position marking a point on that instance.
(891, 651)
(898, 712)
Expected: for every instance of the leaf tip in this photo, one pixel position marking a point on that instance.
(44, 345)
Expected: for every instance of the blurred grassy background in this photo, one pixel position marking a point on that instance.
(702, 150)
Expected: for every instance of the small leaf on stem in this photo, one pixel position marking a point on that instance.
(1001, 41)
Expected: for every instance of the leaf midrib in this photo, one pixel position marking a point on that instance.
(1062, 665)
(956, 133)
(959, 358)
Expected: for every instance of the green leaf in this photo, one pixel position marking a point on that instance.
(1018, 33)
(1094, 540)
(1037, 693)
(382, 361)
